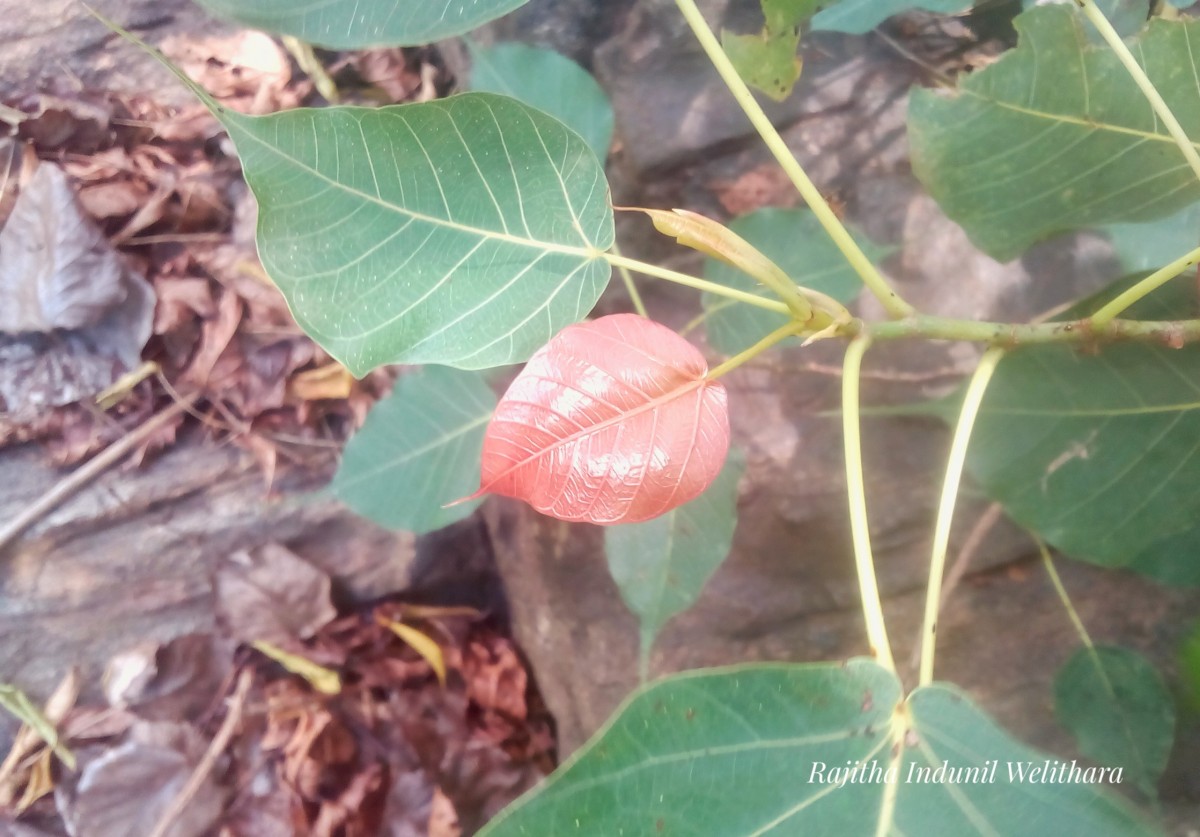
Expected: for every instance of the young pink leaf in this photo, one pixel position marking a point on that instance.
(612, 421)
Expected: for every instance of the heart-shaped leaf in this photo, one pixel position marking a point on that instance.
(547, 81)
(464, 231)
(780, 750)
(661, 565)
(612, 421)
(1097, 452)
(420, 447)
(1055, 134)
(1118, 708)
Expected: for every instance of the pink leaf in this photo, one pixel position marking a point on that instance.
(612, 421)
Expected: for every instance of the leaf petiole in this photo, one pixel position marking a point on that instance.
(1145, 287)
(634, 295)
(864, 562)
(945, 515)
(779, 334)
(686, 279)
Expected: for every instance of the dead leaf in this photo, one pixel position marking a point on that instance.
(76, 317)
(175, 681)
(57, 271)
(124, 790)
(496, 679)
(37, 740)
(55, 123)
(443, 820)
(247, 71)
(271, 595)
(423, 644)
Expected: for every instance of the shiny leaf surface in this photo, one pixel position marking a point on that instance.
(612, 421)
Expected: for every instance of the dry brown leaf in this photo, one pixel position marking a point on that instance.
(216, 335)
(496, 679)
(126, 789)
(443, 820)
(271, 594)
(76, 317)
(175, 681)
(56, 123)
(247, 71)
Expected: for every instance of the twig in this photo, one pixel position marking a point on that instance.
(83, 475)
(216, 747)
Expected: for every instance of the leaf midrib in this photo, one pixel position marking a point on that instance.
(1090, 124)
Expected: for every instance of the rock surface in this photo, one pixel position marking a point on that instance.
(130, 559)
(56, 44)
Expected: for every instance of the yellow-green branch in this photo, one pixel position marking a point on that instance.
(871, 277)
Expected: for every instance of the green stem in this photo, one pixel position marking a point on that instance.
(781, 333)
(1072, 614)
(698, 320)
(864, 562)
(627, 278)
(1146, 286)
(1010, 335)
(312, 66)
(690, 281)
(871, 277)
(945, 515)
(1093, 13)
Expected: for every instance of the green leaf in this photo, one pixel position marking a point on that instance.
(795, 241)
(1098, 452)
(1126, 16)
(661, 565)
(782, 15)
(760, 749)
(419, 450)
(765, 62)
(1119, 710)
(1152, 244)
(548, 81)
(353, 24)
(1055, 135)
(464, 232)
(857, 17)
(768, 61)
(1173, 560)
(1189, 670)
